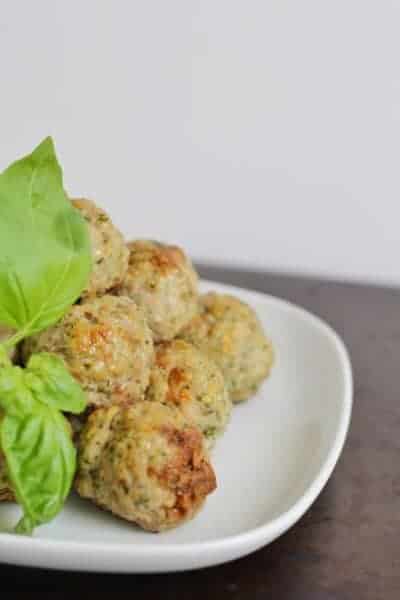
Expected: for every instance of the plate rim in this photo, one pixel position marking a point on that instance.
(255, 537)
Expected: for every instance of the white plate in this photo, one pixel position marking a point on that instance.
(271, 464)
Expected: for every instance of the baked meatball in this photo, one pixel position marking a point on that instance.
(229, 332)
(163, 282)
(107, 346)
(6, 494)
(110, 254)
(185, 377)
(145, 463)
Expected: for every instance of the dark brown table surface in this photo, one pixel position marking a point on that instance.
(347, 547)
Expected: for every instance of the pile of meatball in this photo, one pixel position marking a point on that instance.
(161, 366)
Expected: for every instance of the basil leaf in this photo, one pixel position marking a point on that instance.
(5, 360)
(15, 398)
(47, 376)
(45, 255)
(36, 441)
(41, 462)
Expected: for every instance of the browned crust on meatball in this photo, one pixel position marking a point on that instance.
(178, 387)
(164, 257)
(190, 476)
(178, 378)
(7, 495)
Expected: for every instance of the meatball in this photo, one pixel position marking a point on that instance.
(110, 254)
(162, 280)
(6, 493)
(145, 463)
(229, 332)
(185, 377)
(107, 346)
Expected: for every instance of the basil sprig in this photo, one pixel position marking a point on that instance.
(45, 256)
(45, 263)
